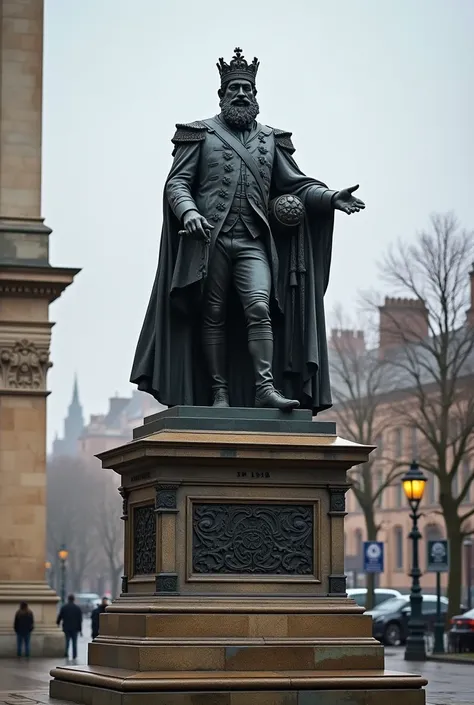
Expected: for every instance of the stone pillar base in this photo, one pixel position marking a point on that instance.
(47, 640)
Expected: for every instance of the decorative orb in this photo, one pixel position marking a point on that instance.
(288, 210)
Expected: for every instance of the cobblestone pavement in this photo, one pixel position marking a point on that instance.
(448, 683)
(26, 683)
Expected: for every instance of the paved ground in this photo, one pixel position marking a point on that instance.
(448, 683)
(26, 683)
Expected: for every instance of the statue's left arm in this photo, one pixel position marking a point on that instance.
(287, 177)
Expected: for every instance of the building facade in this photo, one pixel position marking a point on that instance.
(104, 431)
(402, 443)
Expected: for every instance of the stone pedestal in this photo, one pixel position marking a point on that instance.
(234, 586)
(28, 284)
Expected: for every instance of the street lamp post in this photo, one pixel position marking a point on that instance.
(467, 543)
(413, 483)
(63, 553)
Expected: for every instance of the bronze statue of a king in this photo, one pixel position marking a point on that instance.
(236, 315)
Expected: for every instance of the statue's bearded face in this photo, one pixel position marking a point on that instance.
(238, 103)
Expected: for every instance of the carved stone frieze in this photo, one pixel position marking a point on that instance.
(144, 540)
(24, 366)
(255, 539)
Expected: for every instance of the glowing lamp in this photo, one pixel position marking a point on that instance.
(413, 483)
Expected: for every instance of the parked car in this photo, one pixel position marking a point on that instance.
(87, 601)
(461, 634)
(390, 619)
(380, 595)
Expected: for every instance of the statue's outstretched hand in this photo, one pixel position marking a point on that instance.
(346, 202)
(196, 226)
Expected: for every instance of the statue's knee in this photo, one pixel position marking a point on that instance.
(257, 312)
(214, 314)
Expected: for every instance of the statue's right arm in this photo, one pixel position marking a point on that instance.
(179, 186)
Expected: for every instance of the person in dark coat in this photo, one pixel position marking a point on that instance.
(95, 616)
(23, 625)
(71, 617)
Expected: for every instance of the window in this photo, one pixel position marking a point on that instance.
(453, 429)
(398, 442)
(379, 449)
(398, 548)
(378, 484)
(466, 474)
(350, 501)
(429, 606)
(360, 598)
(432, 489)
(455, 483)
(398, 489)
(381, 596)
(359, 541)
(414, 442)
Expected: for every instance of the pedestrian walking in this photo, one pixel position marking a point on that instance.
(71, 617)
(23, 625)
(95, 616)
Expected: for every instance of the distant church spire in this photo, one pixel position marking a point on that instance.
(75, 392)
(73, 425)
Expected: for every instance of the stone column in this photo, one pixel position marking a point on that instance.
(28, 284)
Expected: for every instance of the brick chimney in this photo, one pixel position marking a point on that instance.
(347, 341)
(470, 311)
(402, 321)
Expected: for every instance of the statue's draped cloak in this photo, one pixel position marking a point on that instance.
(169, 362)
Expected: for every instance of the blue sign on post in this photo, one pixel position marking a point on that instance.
(438, 556)
(373, 556)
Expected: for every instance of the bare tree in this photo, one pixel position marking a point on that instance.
(109, 526)
(359, 379)
(434, 366)
(83, 513)
(70, 513)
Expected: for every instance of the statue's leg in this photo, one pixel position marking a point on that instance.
(252, 278)
(214, 313)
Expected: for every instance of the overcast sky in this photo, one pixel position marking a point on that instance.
(376, 92)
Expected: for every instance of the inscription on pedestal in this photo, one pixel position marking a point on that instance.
(144, 540)
(253, 539)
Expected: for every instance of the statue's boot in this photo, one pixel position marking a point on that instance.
(266, 396)
(221, 399)
(216, 361)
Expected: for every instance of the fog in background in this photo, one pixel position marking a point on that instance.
(376, 93)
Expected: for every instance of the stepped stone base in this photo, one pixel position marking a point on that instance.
(234, 586)
(47, 640)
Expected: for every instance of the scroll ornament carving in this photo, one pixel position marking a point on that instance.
(253, 539)
(24, 366)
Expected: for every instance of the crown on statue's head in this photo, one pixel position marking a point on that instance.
(238, 68)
